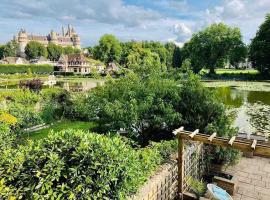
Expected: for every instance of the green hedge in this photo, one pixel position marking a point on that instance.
(12, 68)
(77, 165)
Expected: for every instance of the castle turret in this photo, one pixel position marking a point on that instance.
(53, 37)
(76, 41)
(22, 40)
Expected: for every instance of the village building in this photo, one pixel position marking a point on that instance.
(40, 61)
(14, 60)
(76, 63)
(66, 38)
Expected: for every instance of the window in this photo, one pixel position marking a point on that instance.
(75, 69)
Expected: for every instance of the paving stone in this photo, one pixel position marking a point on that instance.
(256, 177)
(263, 196)
(248, 198)
(243, 174)
(259, 183)
(262, 190)
(247, 193)
(244, 179)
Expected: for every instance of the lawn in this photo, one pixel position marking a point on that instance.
(58, 126)
(233, 71)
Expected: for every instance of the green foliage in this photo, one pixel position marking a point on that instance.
(27, 116)
(146, 109)
(35, 49)
(6, 138)
(213, 46)
(197, 186)
(12, 68)
(260, 48)
(143, 62)
(174, 55)
(54, 51)
(76, 165)
(10, 49)
(108, 50)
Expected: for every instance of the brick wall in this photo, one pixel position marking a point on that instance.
(162, 185)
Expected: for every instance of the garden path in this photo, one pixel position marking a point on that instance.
(253, 178)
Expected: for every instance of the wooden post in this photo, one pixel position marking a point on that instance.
(180, 166)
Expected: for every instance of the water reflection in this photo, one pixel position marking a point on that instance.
(250, 117)
(78, 86)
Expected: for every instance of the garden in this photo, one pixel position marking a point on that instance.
(107, 142)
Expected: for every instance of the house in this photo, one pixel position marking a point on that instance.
(40, 60)
(76, 63)
(111, 68)
(14, 60)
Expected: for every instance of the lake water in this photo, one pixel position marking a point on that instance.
(73, 85)
(249, 103)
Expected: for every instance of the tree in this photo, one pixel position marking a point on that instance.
(1, 51)
(174, 55)
(9, 49)
(212, 47)
(54, 51)
(260, 48)
(108, 50)
(142, 61)
(238, 55)
(158, 48)
(35, 49)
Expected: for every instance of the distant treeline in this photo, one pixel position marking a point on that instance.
(28, 68)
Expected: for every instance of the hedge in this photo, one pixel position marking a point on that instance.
(12, 68)
(73, 164)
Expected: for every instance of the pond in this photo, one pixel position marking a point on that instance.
(248, 102)
(70, 84)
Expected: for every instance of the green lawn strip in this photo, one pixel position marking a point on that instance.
(232, 71)
(58, 126)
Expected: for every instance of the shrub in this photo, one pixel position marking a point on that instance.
(8, 119)
(34, 85)
(197, 186)
(13, 68)
(27, 116)
(77, 165)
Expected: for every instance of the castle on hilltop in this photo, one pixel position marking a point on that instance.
(66, 38)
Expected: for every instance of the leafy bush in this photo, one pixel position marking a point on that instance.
(197, 186)
(25, 97)
(27, 116)
(76, 165)
(13, 68)
(145, 109)
(34, 85)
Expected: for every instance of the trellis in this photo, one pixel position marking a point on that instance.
(233, 142)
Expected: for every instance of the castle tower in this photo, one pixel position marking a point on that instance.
(76, 41)
(53, 37)
(22, 40)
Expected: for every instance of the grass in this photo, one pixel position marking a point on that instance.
(232, 71)
(58, 126)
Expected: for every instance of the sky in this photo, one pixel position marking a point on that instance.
(158, 20)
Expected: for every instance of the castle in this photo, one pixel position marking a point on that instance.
(66, 38)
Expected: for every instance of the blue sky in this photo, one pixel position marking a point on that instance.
(162, 20)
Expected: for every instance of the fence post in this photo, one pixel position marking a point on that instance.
(180, 166)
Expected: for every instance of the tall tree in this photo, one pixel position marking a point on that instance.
(212, 47)
(108, 50)
(1, 51)
(260, 48)
(54, 51)
(174, 55)
(143, 61)
(9, 49)
(35, 49)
